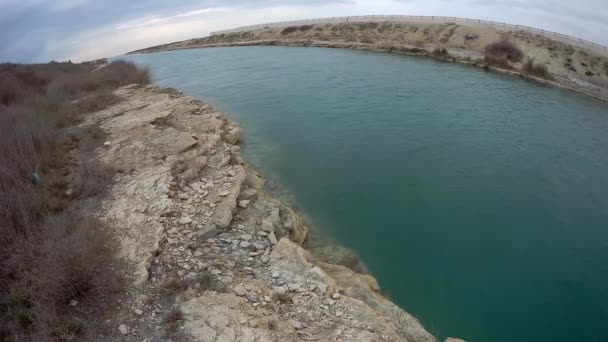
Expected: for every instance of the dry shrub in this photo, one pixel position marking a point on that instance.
(172, 320)
(289, 29)
(10, 90)
(505, 49)
(367, 26)
(120, 73)
(70, 257)
(173, 286)
(51, 252)
(440, 53)
(537, 70)
(208, 282)
(96, 102)
(498, 62)
(95, 178)
(305, 28)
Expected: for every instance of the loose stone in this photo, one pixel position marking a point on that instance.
(185, 220)
(123, 329)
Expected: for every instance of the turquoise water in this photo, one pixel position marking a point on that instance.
(480, 201)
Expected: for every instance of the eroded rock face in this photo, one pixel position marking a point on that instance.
(202, 237)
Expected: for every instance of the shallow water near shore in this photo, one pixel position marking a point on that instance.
(478, 200)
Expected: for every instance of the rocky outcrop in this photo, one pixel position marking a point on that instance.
(213, 257)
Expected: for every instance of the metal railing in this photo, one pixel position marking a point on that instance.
(430, 19)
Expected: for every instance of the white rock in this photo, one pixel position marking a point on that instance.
(185, 220)
(338, 313)
(239, 290)
(244, 203)
(73, 302)
(295, 324)
(275, 275)
(244, 244)
(272, 238)
(280, 290)
(265, 259)
(184, 196)
(262, 233)
(336, 296)
(267, 226)
(107, 144)
(224, 193)
(123, 329)
(138, 312)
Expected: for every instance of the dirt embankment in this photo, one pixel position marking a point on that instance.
(579, 69)
(212, 257)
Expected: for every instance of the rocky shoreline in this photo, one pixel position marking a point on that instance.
(212, 257)
(573, 68)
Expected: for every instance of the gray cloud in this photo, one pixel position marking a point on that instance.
(40, 30)
(26, 25)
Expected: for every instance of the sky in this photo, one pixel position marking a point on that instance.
(44, 30)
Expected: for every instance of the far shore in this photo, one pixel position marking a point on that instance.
(566, 66)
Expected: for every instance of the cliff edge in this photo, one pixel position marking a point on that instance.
(212, 257)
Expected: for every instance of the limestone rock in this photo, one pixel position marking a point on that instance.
(239, 290)
(185, 220)
(233, 136)
(272, 238)
(224, 210)
(123, 329)
(208, 231)
(248, 194)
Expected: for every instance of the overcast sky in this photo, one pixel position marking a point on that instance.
(41, 30)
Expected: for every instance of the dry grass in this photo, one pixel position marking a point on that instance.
(51, 252)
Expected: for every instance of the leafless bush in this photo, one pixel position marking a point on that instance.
(499, 62)
(537, 70)
(367, 40)
(51, 253)
(208, 282)
(289, 29)
(367, 26)
(96, 102)
(504, 49)
(95, 178)
(173, 286)
(304, 28)
(440, 53)
(172, 320)
(70, 258)
(121, 73)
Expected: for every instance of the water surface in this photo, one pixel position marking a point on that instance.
(480, 201)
